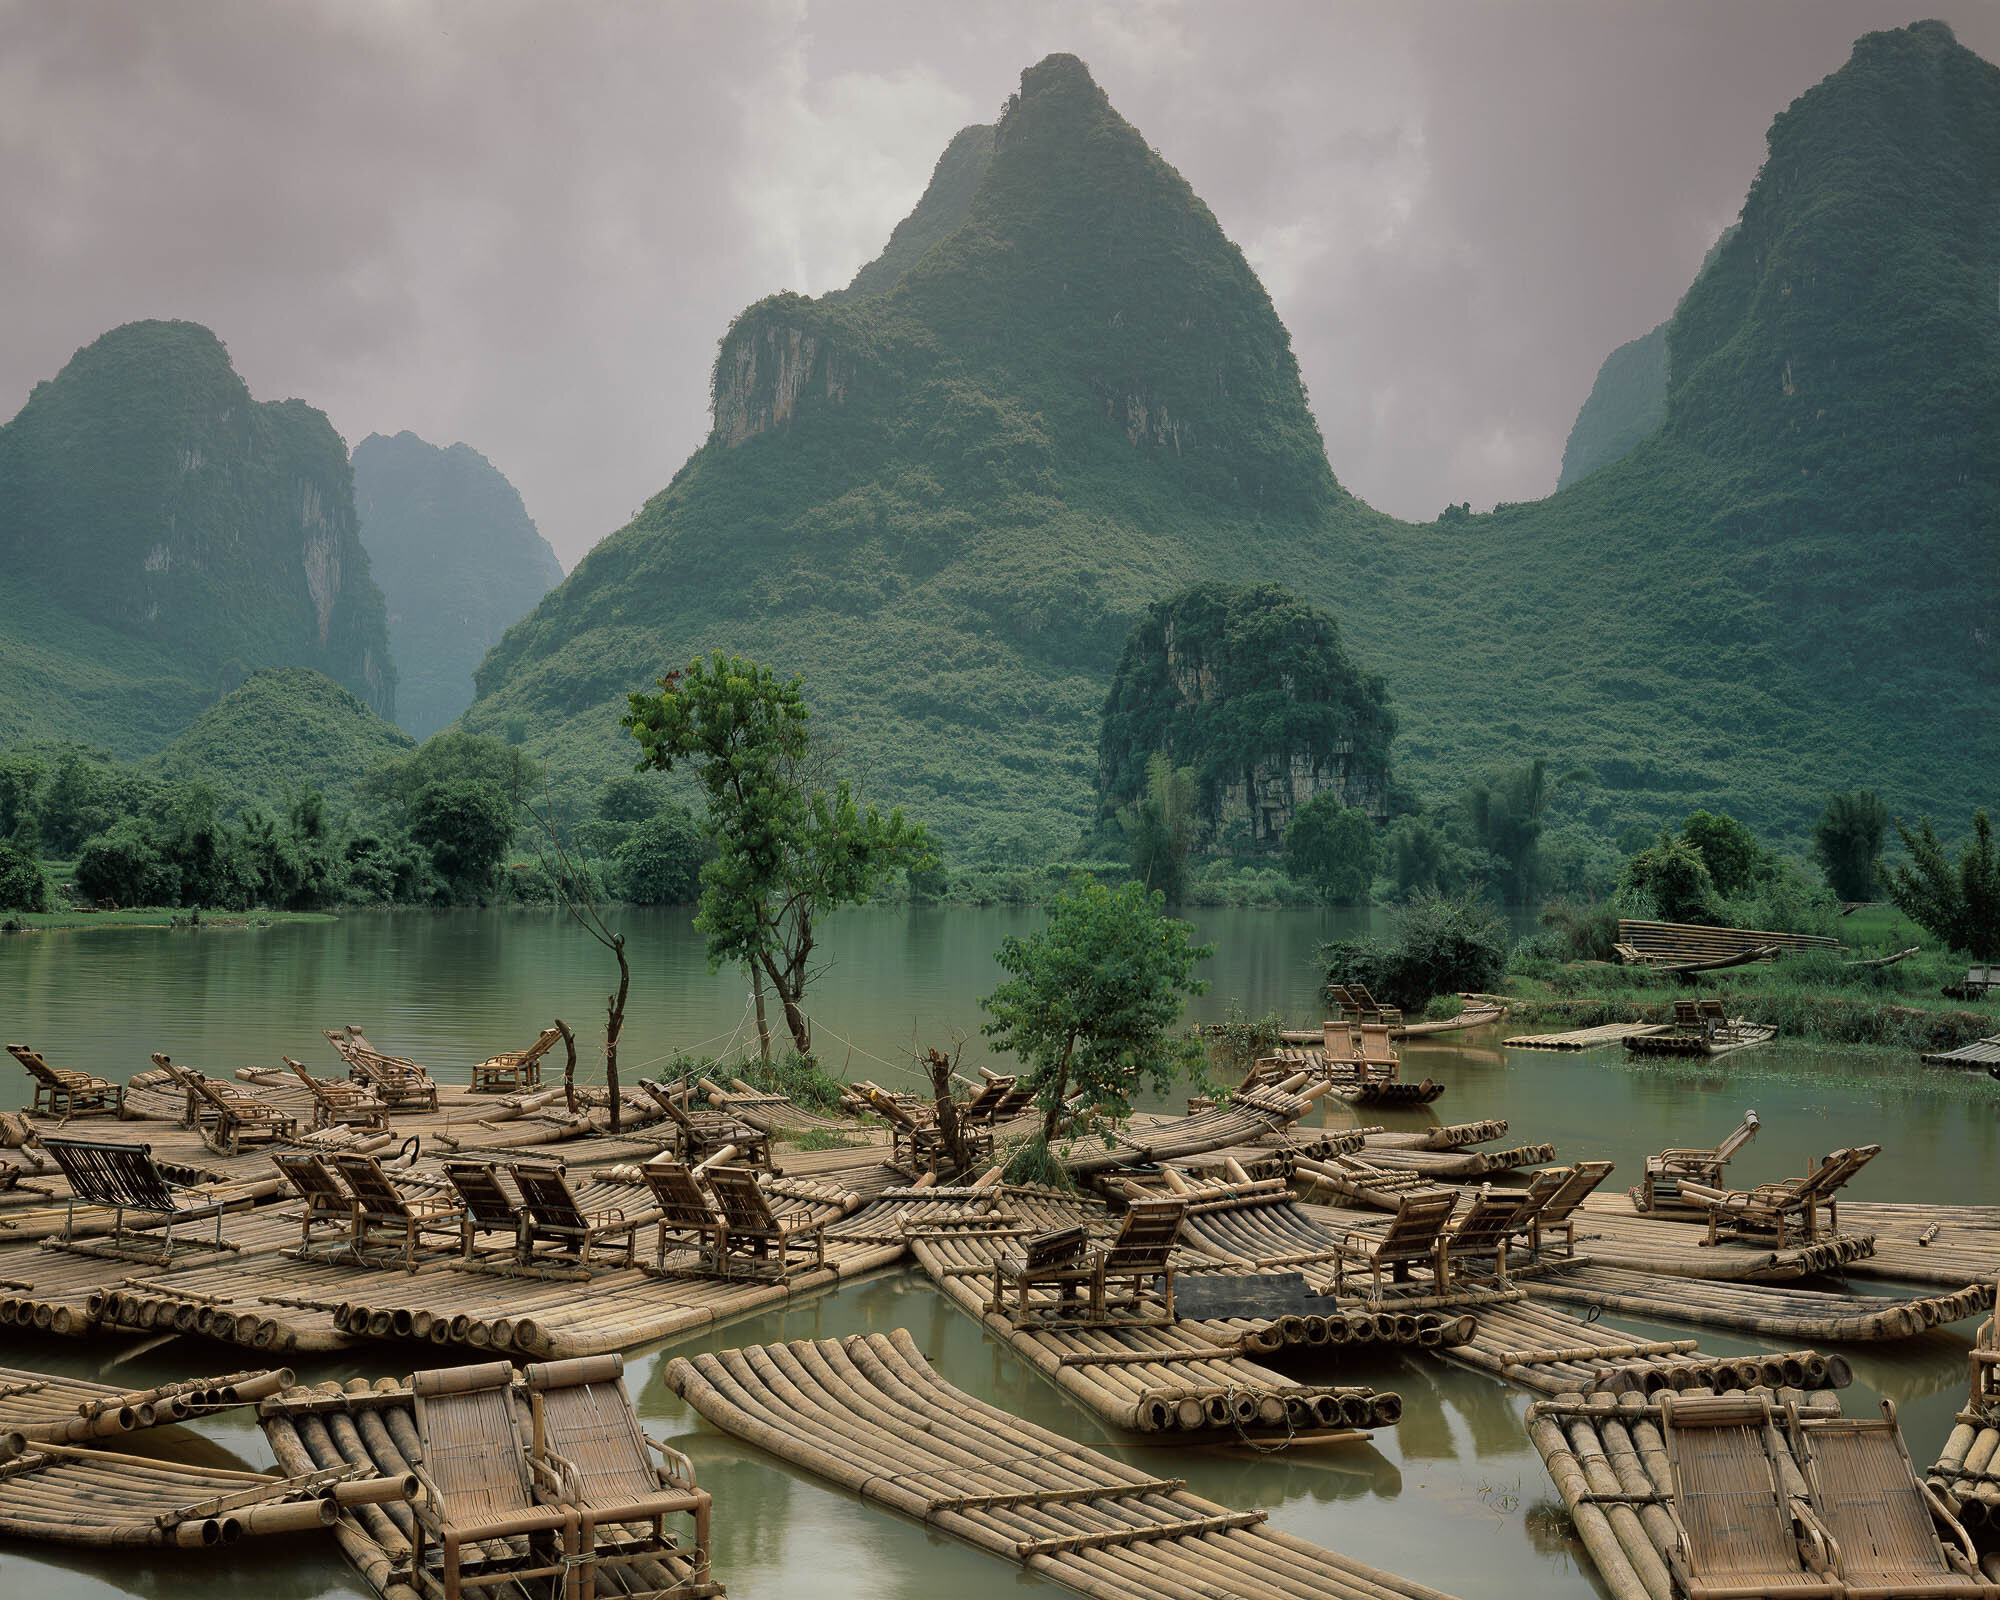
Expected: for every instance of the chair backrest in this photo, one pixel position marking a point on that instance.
(471, 1441)
(1687, 1014)
(545, 1195)
(1420, 1218)
(37, 1066)
(587, 1419)
(311, 1177)
(1343, 1002)
(681, 1200)
(1147, 1237)
(543, 1044)
(370, 1185)
(983, 1104)
(1018, 1098)
(478, 1185)
(1711, 1011)
(1737, 1140)
(1487, 1221)
(104, 1174)
(1055, 1247)
(220, 1096)
(1835, 1171)
(1584, 1177)
(1543, 1187)
(742, 1203)
(1726, 1489)
(1866, 1491)
(1375, 1042)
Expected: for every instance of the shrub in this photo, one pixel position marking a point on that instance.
(1728, 849)
(1672, 881)
(1239, 1039)
(22, 886)
(660, 862)
(1436, 946)
(125, 864)
(1583, 932)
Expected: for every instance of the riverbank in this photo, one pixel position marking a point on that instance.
(153, 917)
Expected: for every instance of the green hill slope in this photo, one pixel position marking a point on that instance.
(285, 728)
(162, 530)
(1626, 403)
(457, 558)
(946, 504)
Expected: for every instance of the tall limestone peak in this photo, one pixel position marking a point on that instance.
(458, 560)
(144, 491)
(945, 203)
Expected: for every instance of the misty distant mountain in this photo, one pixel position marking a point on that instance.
(163, 535)
(946, 503)
(458, 560)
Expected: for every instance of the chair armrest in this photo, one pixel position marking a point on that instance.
(610, 1214)
(1815, 1535)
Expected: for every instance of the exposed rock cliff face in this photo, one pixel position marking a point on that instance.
(459, 562)
(767, 365)
(1253, 689)
(143, 490)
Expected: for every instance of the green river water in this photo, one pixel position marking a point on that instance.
(1454, 1497)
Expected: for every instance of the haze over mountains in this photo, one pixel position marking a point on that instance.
(944, 495)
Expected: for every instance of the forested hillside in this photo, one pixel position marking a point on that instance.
(458, 561)
(163, 535)
(946, 503)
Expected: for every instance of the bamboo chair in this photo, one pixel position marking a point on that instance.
(587, 1436)
(1881, 1519)
(1369, 1009)
(685, 1214)
(381, 1209)
(1416, 1233)
(912, 1139)
(1142, 1252)
(328, 1204)
(227, 1117)
(1790, 1205)
(1018, 1098)
(756, 1236)
(395, 1080)
(124, 1177)
(489, 1208)
(65, 1093)
(1376, 1051)
(340, 1102)
(514, 1069)
(1058, 1259)
(1561, 1208)
(1660, 1189)
(479, 1490)
(1543, 1187)
(1343, 1003)
(1484, 1231)
(982, 1106)
(553, 1215)
(1736, 1530)
(699, 1135)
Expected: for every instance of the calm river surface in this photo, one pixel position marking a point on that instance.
(1454, 1496)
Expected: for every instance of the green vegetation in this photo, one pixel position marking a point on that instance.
(1847, 842)
(1436, 946)
(1159, 826)
(791, 844)
(458, 562)
(1332, 847)
(1091, 998)
(948, 503)
(1626, 403)
(285, 729)
(1960, 907)
(22, 886)
(164, 535)
(946, 202)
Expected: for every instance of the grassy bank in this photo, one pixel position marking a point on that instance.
(152, 917)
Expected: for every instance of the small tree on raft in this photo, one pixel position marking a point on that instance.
(791, 845)
(1091, 998)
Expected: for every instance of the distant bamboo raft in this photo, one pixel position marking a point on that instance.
(1613, 1234)
(1729, 1037)
(1777, 1310)
(1584, 1038)
(1980, 1053)
(869, 1414)
(46, 1407)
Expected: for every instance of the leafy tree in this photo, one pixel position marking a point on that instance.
(22, 886)
(1159, 826)
(1332, 847)
(1092, 994)
(387, 869)
(21, 781)
(451, 757)
(1960, 907)
(466, 827)
(791, 844)
(631, 799)
(1505, 816)
(1730, 850)
(660, 862)
(1847, 842)
(1673, 879)
(928, 883)
(125, 864)
(1436, 945)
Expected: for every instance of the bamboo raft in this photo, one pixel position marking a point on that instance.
(1445, 1152)
(1147, 1141)
(1980, 1053)
(1614, 1234)
(869, 1414)
(1736, 1034)
(1967, 1473)
(1584, 1038)
(1780, 1311)
(47, 1408)
(1479, 1014)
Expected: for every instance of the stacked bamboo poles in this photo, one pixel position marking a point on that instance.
(773, 1113)
(868, 1413)
(1443, 1136)
(1967, 1474)
(1455, 1163)
(48, 1408)
(371, 1428)
(1546, 1350)
(1158, 1378)
(1777, 1310)
(1609, 1463)
(68, 1495)
(1353, 1331)
(1582, 1038)
(1357, 1179)
(1243, 1121)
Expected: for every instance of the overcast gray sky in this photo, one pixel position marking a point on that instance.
(526, 225)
